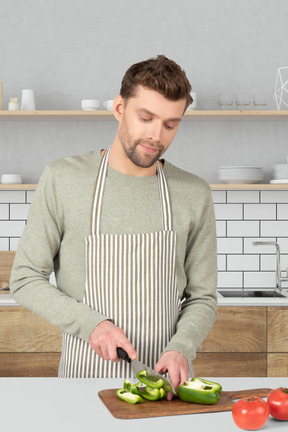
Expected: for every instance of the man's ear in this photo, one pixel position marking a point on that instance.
(118, 107)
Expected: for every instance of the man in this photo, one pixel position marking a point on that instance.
(131, 239)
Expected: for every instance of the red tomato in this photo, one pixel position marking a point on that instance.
(250, 413)
(278, 403)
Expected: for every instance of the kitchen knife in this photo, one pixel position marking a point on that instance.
(137, 366)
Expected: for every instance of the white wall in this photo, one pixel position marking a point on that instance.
(69, 50)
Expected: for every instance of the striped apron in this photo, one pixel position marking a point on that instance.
(131, 279)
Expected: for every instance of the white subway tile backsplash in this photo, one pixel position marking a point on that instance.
(242, 262)
(268, 262)
(282, 211)
(29, 196)
(260, 211)
(274, 196)
(229, 245)
(243, 228)
(228, 211)
(259, 279)
(218, 196)
(250, 249)
(11, 228)
(283, 243)
(221, 262)
(14, 243)
(234, 196)
(4, 211)
(274, 228)
(230, 279)
(221, 228)
(9, 196)
(4, 244)
(242, 216)
(19, 211)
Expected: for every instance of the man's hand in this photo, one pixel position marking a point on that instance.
(106, 338)
(176, 365)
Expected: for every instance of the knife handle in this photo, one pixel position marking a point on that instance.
(123, 354)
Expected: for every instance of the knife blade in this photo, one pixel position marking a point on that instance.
(137, 366)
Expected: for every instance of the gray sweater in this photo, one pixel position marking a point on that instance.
(59, 220)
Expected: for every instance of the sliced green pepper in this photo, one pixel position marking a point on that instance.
(149, 380)
(215, 386)
(200, 391)
(127, 386)
(129, 397)
(152, 394)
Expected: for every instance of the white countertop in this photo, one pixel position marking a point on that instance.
(7, 300)
(57, 404)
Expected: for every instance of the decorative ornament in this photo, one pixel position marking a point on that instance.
(281, 87)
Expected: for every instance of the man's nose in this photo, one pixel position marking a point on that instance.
(155, 132)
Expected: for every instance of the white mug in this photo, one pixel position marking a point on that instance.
(28, 101)
(11, 179)
(108, 104)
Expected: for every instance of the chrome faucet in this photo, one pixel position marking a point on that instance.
(279, 279)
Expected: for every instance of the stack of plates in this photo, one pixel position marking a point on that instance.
(280, 173)
(241, 174)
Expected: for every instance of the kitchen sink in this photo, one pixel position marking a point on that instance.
(235, 293)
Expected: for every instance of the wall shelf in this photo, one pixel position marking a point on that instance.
(108, 115)
(212, 186)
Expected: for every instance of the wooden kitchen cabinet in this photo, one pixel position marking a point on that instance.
(29, 345)
(236, 344)
(277, 341)
(244, 341)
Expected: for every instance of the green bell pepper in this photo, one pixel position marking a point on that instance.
(200, 391)
(152, 394)
(128, 396)
(128, 387)
(149, 380)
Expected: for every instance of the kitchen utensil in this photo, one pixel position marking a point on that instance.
(13, 105)
(28, 100)
(137, 366)
(108, 104)
(123, 410)
(260, 100)
(225, 101)
(11, 179)
(90, 104)
(243, 101)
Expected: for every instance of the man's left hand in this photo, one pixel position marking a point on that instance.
(176, 365)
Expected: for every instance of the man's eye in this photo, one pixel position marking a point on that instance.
(169, 127)
(145, 119)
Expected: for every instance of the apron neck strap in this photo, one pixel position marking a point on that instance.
(99, 191)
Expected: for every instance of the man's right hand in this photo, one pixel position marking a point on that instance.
(106, 338)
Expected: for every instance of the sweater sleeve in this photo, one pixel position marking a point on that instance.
(199, 304)
(34, 262)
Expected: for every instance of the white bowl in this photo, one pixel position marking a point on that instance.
(11, 179)
(90, 104)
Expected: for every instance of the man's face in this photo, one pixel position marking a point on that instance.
(147, 126)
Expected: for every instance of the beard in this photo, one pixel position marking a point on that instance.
(135, 153)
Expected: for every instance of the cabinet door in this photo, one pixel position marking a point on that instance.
(230, 364)
(277, 319)
(237, 329)
(23, 331)
(29, 364)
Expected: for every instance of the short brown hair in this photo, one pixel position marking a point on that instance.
(160, 74)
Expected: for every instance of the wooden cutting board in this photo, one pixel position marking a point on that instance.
(123, 410)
